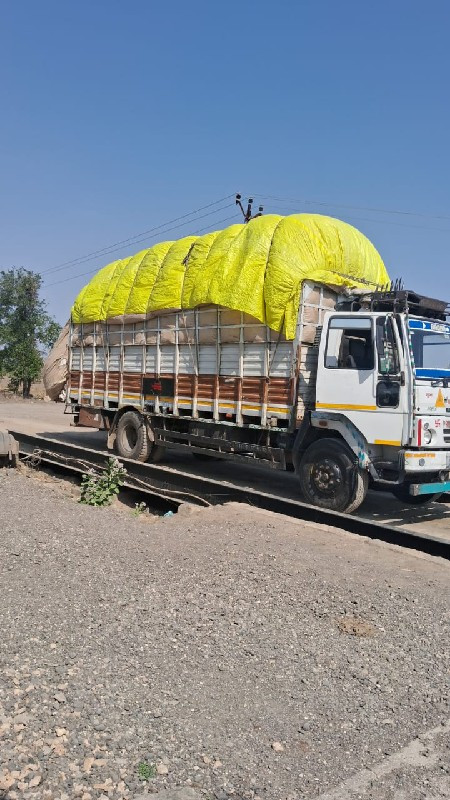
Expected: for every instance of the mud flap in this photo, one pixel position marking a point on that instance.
(9, 449)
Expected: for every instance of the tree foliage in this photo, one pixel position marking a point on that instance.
(26, 329)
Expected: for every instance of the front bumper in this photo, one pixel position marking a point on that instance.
(426, 460)
(417, 489)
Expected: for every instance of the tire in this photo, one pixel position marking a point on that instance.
(401, 492)
(132, 439)
(329, 477)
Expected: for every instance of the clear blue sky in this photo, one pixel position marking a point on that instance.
(117, 117)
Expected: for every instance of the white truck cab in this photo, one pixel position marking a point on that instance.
(383, 386)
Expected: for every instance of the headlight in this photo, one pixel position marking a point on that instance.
(427, 436)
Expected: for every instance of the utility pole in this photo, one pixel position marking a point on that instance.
(248, 214)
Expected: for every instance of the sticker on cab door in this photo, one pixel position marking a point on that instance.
(440, 402)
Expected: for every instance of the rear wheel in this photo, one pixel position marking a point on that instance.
(329, 477)
(401, 492)
(133, 441)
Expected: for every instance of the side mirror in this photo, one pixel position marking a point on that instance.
(388, 394)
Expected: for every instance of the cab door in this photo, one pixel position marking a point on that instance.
(349, 381)
(392, 393)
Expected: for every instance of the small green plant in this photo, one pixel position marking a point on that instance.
(146, 771)
(100, 489)
(139, 508)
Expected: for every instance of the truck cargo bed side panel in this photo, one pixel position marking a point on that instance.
(211, 362)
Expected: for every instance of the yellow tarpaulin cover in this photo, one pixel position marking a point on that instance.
(257, 268)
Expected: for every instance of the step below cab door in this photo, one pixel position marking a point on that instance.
(359, 375)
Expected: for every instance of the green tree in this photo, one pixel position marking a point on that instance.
(26, 329)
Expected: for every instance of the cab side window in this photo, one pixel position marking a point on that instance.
(350, 344)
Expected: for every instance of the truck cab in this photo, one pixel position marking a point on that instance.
(382, 393)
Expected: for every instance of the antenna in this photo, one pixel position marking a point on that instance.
(248, 214)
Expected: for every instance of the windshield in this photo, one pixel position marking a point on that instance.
(431, 348)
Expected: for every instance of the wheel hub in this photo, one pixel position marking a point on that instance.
(326, 476)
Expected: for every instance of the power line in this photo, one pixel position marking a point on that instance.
(109, 248)
(357, 208)
(385, 221)
(92, 271)
(400, 224)
(161, 229)
(219, 222)
(151, 236)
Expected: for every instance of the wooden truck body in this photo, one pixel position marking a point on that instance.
(210, 363)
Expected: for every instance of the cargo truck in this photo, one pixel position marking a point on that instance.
(355, 393)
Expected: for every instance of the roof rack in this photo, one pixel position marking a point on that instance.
(398, 300)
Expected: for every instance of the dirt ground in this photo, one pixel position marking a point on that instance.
(37, 390)
(226, 653)
(35, 416)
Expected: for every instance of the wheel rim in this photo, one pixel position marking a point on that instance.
(325, 477)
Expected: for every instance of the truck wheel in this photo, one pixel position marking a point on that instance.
(329, 478)
(401, 492)
(132, 438)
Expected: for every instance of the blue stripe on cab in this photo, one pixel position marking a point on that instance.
(435, 327)
(432, 373)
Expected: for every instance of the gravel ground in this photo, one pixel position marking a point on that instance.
(229, 651)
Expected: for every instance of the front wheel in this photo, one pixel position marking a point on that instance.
(329, 477)
(401, 492)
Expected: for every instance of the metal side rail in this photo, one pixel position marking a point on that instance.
(177, 487)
